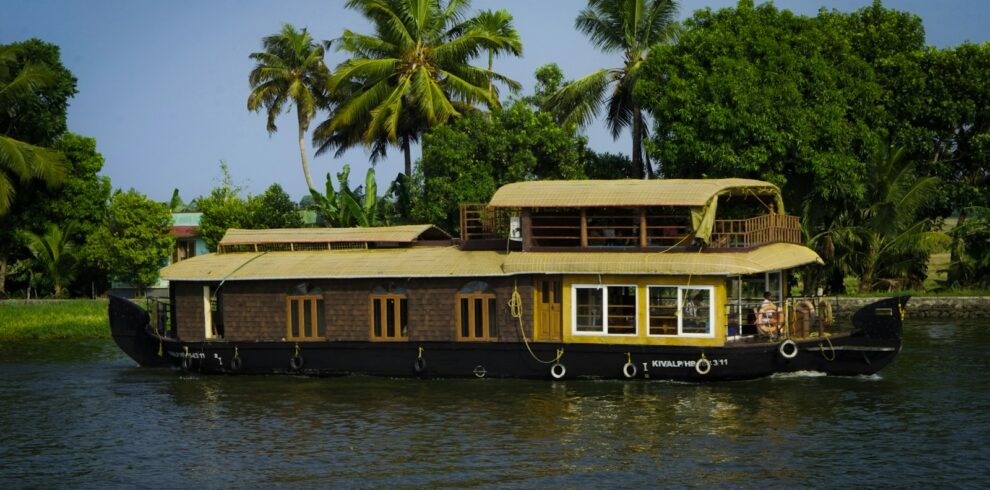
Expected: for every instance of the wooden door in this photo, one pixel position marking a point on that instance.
(548, 295)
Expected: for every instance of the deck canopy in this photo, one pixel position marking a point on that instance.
(764, 259)
(423, 262)
(338, 264)
(627, 193)
(700, 195)
(236, 240)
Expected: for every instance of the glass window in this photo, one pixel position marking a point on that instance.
(605, 309)
(696, 317)
(681, 310)
(663, 310)
(588, 303)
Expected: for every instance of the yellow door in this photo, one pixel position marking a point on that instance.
(548, 293)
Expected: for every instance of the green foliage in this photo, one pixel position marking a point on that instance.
(54, 256)
(466, 161)
(765, 94)
(549, 79)
(46, 320)
(222, 209)
(346, 207)
(608, 166)
(290, 70)
(81, 202)
(880, 243)
(136, 240)
(30, 81)
(274, 209)
(971, 266)
(632, 28)
(35, 89)
(414, 72)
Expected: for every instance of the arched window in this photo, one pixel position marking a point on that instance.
(389, 313)
(476, 312)
(304, 313)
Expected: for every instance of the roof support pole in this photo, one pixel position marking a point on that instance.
(642, 228)
(584, 228)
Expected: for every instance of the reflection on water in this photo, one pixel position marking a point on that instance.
(83, 415)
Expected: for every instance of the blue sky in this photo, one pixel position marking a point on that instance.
(163, 85)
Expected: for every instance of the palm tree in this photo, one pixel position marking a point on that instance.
(629, 26)
(884, 237)
(54, 254)
(19, 160)
(413, 73)
(290, 69)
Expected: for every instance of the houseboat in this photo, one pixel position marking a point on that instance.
(629, 279)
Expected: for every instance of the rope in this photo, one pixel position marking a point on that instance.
(222, 281)
(515, 309)
(830, 346)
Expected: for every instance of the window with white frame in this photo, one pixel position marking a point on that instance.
(609, 310)
(681, 310)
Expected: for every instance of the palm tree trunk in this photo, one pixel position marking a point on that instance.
(303, 127)
(406, 152)
(637, 149)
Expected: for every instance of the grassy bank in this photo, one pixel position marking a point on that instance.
(42, 320)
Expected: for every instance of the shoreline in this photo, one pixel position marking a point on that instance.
(962, 307)
(76, 319)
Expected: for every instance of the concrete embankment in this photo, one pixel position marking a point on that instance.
(923, 307)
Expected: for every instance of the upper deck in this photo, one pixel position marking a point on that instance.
(630, 215)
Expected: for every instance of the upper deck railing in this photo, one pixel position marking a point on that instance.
(597, 231)
(760, 230)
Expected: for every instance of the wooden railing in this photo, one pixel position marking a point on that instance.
(769, 228)
(479, 222)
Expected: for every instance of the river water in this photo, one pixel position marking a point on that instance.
(82, 415)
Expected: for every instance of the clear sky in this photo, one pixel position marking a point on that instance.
(163, 84)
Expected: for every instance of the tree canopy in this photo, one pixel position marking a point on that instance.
(34, 92)
(414, 72)
(467, 160)
(136, 240)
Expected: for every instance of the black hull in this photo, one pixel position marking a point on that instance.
(130, 327)
(864, 352)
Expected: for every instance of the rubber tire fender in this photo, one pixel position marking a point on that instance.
(558, 370)
(296, 362)
(629, 370)
(788, 349)
(703, 370)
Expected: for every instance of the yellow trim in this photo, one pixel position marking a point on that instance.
(642, 316)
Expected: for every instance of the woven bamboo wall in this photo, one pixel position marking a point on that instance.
(256, 310)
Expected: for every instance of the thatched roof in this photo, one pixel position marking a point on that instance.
(240, 240)
(763, 259)
(628, 192)
(395, 262)
(453, 262)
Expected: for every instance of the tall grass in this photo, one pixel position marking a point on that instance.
(42, 320)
